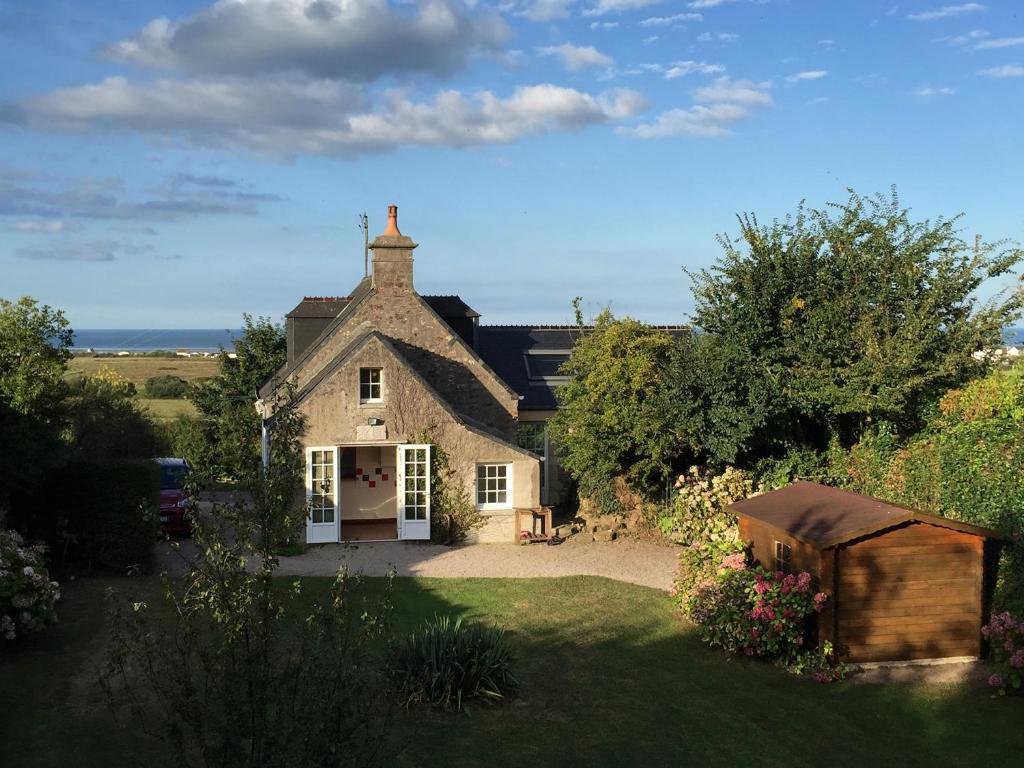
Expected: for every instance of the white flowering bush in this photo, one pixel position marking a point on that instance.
(700, 512)
(27, 595)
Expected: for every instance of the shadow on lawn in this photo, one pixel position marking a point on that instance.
(610, 676)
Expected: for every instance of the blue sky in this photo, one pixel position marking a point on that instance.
(174, 164)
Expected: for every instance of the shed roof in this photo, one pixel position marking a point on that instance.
(824, 516)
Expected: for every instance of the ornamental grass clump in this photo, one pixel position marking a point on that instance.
(447, 662)
(27, 595)
(1005, 634)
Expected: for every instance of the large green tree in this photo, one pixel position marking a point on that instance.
(34, 342)
(818, 326)
(229, 443)
(612, 420)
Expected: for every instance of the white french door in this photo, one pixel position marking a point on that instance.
(413, 491)
(322, 495)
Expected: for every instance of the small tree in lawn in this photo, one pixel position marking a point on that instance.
(231, 669)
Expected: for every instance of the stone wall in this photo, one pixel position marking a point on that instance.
(334, 416)
(437, 352)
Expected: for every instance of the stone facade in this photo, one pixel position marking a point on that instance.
(432, 383)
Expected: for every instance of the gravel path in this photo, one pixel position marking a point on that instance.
(636, 562)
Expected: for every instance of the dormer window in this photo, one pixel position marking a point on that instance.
(370, 385)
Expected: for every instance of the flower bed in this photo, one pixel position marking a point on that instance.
(1006, 636)
(27, 596)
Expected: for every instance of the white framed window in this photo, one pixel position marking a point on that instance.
(494, 486)
(370, 389)
(783, 557)
(321, 486)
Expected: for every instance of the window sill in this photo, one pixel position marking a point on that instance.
(488, 511)
(371, 402)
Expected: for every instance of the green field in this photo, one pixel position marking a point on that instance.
(138, 369)
(610, 677)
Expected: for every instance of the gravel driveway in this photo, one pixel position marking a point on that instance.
(636, 562)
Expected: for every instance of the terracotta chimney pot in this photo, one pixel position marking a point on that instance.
(392, 228)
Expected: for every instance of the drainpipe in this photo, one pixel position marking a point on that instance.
(261, 409)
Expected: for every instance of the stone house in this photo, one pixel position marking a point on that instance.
(385, 374)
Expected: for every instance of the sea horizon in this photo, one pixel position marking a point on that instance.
(155, 339)
(142, 340)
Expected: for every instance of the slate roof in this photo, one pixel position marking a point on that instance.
(505, 349)
(510, 349)
(330, 306)
(824, 516)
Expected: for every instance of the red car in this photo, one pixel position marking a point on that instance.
(174, 502)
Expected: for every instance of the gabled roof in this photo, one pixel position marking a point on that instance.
(330, 306)
(824, 517)
(358, 343)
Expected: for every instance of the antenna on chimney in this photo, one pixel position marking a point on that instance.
(364, 224)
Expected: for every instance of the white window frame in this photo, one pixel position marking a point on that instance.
(334, 525)
(370, 384)
(507, 504)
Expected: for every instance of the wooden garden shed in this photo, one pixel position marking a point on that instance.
(902, 584)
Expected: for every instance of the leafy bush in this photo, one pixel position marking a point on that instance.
(1006, 636)
(700, 509)
(106, 513)
(447, 662)
(821, 665)
(104, 422)
(612, 421)
(166, 387)
(968, 465)
(27, 596)
(452, 511)
(746, 609)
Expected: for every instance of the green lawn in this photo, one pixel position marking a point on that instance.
(168, 409)
(610, 677)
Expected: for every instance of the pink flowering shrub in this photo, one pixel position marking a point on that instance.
(755, 612)
(27, 596)
(1005, 634)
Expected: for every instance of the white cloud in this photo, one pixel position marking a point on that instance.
(709, 3)
(812, 74)
(618, 6)
(719, 37)
(1000, 42)
(354, 40)
(51, 226)
(698, 120)
(928, 91)
(683, 68)
(604, 24)
(727, 90)
(651, 39)
(283, 118)
(577, 57)
(946, 11)
(1006, 70)
(719, 105)
(664, 21)
(965, 39)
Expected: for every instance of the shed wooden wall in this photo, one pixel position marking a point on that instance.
(913, 592)
(762, 537)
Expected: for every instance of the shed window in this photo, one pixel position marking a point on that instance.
(369, 385)
(493, 486)
(783, 557)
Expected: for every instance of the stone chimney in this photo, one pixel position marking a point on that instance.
(392, 258)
